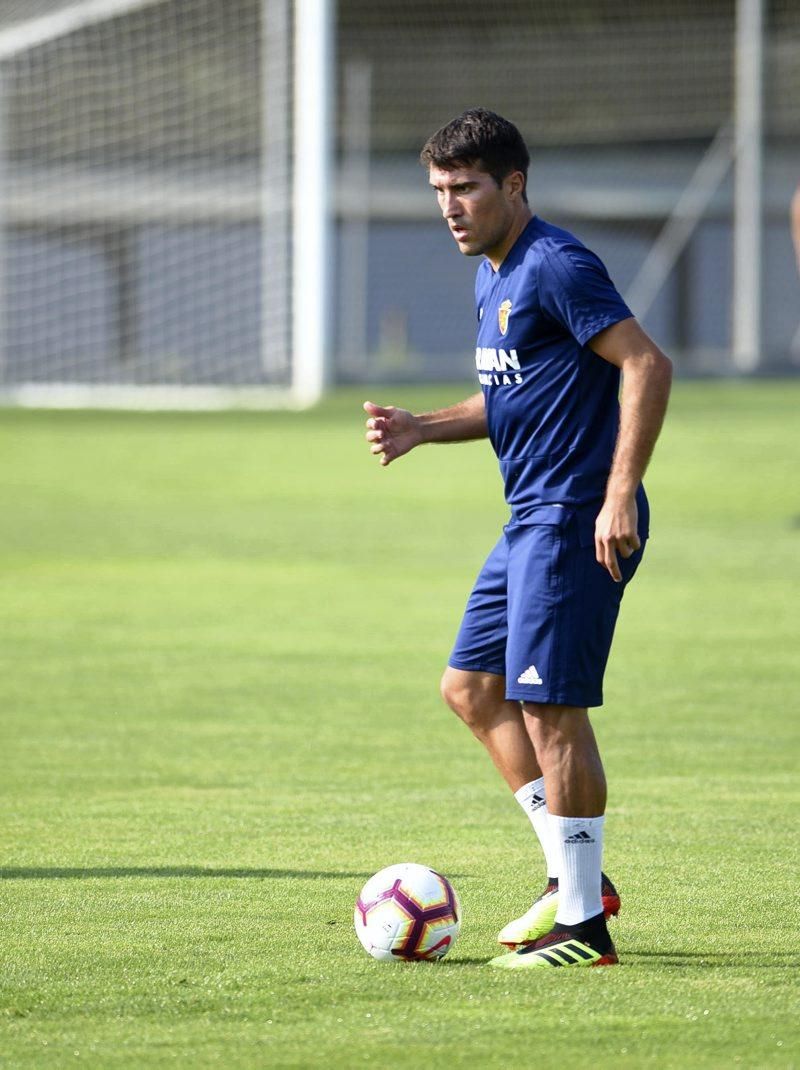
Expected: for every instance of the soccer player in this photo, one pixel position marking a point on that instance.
(528, 662)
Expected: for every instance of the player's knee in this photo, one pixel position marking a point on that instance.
(463, 698)
(451, 691)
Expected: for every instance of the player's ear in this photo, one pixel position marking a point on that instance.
(515, 184)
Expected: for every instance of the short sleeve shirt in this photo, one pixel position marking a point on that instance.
(551, 402)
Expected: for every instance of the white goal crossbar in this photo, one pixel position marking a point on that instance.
(78, 16)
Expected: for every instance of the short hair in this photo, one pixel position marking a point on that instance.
(478, 138)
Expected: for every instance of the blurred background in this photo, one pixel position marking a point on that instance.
(213, 202)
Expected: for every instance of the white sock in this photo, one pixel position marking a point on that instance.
(532, 800)
(578, 844)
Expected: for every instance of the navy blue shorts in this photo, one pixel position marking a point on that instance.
(542, 612)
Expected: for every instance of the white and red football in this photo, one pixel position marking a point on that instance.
(407, 913)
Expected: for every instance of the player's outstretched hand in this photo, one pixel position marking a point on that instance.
(391, 432)
(616, 532)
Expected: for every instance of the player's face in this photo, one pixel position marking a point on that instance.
(480, 215)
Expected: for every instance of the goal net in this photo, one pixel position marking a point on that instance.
(629, 109)
(164, 238)
(145, 195)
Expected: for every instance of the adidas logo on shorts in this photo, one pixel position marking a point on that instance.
(530, 676)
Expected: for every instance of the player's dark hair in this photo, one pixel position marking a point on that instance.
(478, 138)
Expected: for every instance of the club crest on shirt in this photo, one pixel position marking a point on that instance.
(503, 312)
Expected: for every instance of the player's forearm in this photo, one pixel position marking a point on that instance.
(645, 393)
(457, 423)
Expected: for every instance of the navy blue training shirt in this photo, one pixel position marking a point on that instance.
(551, 402)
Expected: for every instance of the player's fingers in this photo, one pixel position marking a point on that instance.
(374, 436)
(607, 557)
(628, 545)
(378, 447)
(377, 410)
(612, 564)
(600, 551)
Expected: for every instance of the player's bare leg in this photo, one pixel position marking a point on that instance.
(575, 783)
(500, 724)
(478, 698)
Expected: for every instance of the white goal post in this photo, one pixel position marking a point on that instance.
(201, 225)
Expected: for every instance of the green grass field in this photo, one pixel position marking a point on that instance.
(221, 643)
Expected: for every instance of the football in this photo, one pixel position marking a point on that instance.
(407, 913)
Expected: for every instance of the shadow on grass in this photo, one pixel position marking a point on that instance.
(88, 873)
(682, 959)
(715, 960)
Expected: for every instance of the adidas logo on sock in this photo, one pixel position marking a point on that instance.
(530, 676)
(536, 802)
(580, 837)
